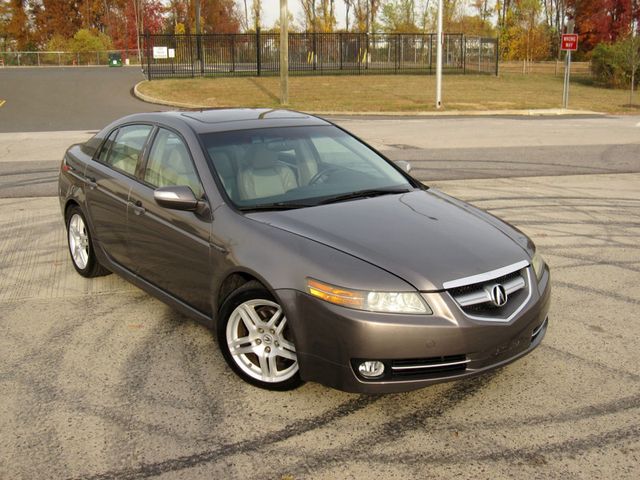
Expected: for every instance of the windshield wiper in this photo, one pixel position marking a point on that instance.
(372, 192)
(274, 206)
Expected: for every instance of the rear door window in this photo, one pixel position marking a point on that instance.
(127, 147)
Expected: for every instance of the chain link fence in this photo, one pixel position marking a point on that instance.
(42, 59)
(256, 54)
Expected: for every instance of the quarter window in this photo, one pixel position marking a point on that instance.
(107, 146)
(127, 147)
(170, 164)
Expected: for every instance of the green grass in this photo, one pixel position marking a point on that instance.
(392, 93)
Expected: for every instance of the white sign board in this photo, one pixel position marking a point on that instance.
(172, 53)
(160, 52)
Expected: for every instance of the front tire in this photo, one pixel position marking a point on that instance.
(255, 338)
(81, 247)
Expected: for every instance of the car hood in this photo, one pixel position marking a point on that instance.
(421, 236)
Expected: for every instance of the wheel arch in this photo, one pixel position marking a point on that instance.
(70, 203)
(234, 280)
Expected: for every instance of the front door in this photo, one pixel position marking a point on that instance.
(170, 248)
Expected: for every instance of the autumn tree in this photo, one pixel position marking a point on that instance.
(55, 17)
(399, 16)
(256, 13)
(326, 18)
(219, 16)
(17, 24)
(524, 37)
(599, 21)
(309, 14)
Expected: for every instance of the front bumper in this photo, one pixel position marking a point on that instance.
(330, 340)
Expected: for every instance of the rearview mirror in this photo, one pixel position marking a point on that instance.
(404, 165)
(176, 198)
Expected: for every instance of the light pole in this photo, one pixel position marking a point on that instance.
(439, 58)
(284, 52)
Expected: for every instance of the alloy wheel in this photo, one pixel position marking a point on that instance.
(259, 341)
(78, 241)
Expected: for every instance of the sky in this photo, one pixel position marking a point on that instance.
(271, 11)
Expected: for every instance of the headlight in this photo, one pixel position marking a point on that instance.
(384, 302)
(537, 262)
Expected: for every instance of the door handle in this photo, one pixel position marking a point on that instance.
(137, 207)
(91, 182)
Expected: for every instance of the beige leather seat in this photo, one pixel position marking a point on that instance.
(125, 158)
(175, 170)
(263, 175)
(307, 168)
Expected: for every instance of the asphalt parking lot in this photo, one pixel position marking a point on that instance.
(100, 381)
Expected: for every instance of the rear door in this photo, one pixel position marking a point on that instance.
(109, 179)
(170, 248)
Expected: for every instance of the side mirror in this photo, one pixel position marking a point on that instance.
(176, 198)
(404, 165)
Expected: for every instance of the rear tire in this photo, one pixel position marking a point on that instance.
(255, 339)
(81, 249)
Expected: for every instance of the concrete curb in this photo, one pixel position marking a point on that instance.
(538, 112)
(159, 101)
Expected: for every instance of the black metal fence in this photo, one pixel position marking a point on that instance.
(251, 54)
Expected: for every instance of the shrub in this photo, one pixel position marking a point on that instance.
(612, 64)
(87, 41)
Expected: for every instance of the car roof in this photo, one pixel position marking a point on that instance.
(228, 119)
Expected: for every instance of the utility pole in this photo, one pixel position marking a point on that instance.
(439, 58)
(284, 52)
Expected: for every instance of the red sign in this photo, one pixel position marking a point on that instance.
(569, 42)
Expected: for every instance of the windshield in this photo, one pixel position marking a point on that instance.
(298, 166)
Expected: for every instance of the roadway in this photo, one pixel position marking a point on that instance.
(100, 381)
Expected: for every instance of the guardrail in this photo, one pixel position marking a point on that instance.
(62, 58)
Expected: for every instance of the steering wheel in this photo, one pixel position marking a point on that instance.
(324, 173)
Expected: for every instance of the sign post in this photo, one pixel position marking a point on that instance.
(569, 44)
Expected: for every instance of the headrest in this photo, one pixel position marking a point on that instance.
(177, 160)
(258, 156)
(222, 161)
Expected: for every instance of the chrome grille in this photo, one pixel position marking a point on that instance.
(428, 367)
(475, 299)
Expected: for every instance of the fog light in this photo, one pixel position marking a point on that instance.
(371, 369)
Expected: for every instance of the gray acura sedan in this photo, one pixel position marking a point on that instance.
(312, 256)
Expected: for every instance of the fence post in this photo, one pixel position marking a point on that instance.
(315, 48)
(193, 67)
(431, 53)
(233, 52)
(148, 45)
(463, 48)
(497, 53)
(366, 51)
(340, 41)
(397, 60)
(258, 53)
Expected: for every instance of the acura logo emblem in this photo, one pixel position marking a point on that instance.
(498, 295)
